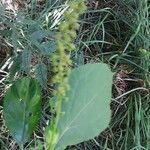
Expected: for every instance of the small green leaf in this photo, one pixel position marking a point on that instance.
(41, 74)
(26, 60)
(87, 112)
(48, 47)
(22, 105)
(39, 35)
(44, 42)
(15, 67)
(33, 26)
(78, 59)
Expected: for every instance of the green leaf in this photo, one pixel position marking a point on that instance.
(87, 112)
(44, 42)
(6, 32)
(48, 48)
(26, 60)
(33, 26)
(39, 35)
(78, 58)
(41, 74)
(22, 105)
(15, 66)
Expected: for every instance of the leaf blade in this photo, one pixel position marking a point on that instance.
(41, 74)
(90, 89)
(21, 107)
(26, 60)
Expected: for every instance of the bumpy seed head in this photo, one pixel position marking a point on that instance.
(67, 32)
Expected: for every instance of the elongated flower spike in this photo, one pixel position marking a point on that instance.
(62, 64)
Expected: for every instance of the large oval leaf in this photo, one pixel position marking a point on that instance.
(87, 112)
(22, 104)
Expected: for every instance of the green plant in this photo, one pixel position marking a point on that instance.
(61, 63)
(90, 84)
